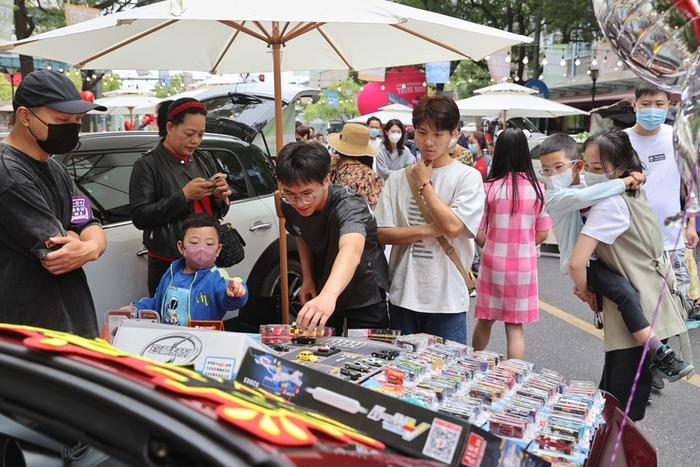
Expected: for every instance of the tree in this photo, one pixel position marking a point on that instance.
(347, 103)
(467, 77)
(524, 17)
(176, 86)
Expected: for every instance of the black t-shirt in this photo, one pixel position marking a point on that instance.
(39, 200)
(344, 212)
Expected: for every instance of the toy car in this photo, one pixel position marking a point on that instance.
(326, 350)
(279, 348)
(393, 376)
(373, 361)
(357, 366)
(351, 374)
(304, 340)
(386, 354)
(307, 356)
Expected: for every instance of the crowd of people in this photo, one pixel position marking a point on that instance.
(433, 197)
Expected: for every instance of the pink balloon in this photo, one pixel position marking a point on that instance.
(371, 98)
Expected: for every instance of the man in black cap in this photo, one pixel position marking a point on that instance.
(47, 231)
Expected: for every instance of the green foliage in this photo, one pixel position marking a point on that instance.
(111, 83)
(76, 77)
(176, 86)
(467, 77)
(347, 106)
(5, 88)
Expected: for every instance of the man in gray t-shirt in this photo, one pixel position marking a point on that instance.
(344, 269)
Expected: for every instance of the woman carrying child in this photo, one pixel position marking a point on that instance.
(623, 232)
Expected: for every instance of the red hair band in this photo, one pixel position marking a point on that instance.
(185, 106)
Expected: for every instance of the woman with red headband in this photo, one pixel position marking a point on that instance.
(172, 181)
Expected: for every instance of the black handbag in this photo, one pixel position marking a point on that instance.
(233, 247)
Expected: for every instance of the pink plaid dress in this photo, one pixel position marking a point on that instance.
(507, 285)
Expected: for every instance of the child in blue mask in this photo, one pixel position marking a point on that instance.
(193, 288)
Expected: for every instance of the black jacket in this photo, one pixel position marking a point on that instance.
(158, 205)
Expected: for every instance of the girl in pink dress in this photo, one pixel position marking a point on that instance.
(512, 226)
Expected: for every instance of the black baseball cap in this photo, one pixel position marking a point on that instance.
(47, 88)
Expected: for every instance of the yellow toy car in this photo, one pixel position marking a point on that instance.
(307, 356)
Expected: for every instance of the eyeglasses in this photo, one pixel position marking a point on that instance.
(301, 199)
(559, 168)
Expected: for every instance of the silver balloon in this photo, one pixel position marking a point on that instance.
(686, 132)
(656, 39)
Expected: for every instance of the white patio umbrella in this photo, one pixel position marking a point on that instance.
(236, 36)
(400, 112)
(123, 102)
(514, 103)
(505, 87)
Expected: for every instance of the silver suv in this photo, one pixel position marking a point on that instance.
(101, 167)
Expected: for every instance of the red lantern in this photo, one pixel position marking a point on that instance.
(129, 125)
(87, 96)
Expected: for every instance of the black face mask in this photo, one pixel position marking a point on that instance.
(62, 138)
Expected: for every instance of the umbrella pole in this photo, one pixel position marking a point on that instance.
(279, 141)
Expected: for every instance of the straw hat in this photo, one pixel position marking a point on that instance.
(352, 141)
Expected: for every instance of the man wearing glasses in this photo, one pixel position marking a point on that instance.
(345, 273)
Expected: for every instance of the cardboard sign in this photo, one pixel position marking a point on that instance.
(179, 345)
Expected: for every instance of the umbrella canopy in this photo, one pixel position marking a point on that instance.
(124, 102)
(505, 87)
(232, 36)
(235, 36)
(515, 104)
(400, 112)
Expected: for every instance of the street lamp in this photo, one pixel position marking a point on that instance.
(594, 77)
(12, 71)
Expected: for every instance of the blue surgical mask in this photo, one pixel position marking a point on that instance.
(472, 148)
(374, 132)
(650, 119)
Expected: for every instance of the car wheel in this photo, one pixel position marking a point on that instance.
(270, 286)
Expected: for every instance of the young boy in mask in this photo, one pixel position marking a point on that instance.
(566, 200)
(193, 288)
(653, 141)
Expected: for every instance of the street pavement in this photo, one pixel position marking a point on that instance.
(563, 340)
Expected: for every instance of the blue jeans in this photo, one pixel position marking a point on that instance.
(452, 326)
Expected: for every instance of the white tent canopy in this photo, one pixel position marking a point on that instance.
(125, 102)
(400, 112)
(515, 101)
(505, 87)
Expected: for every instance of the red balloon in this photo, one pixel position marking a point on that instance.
(87, 96)
(148, 119)
(371, 98)
(129, 125)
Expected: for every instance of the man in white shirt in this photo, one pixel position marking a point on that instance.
(653, 141)
(427, 291)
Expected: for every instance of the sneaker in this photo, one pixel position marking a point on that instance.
(694, 313)
(668, 366)
(657, 383)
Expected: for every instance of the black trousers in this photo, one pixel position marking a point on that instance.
(609, 284)
(156, 269)
(375, 316)
(618, 375)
